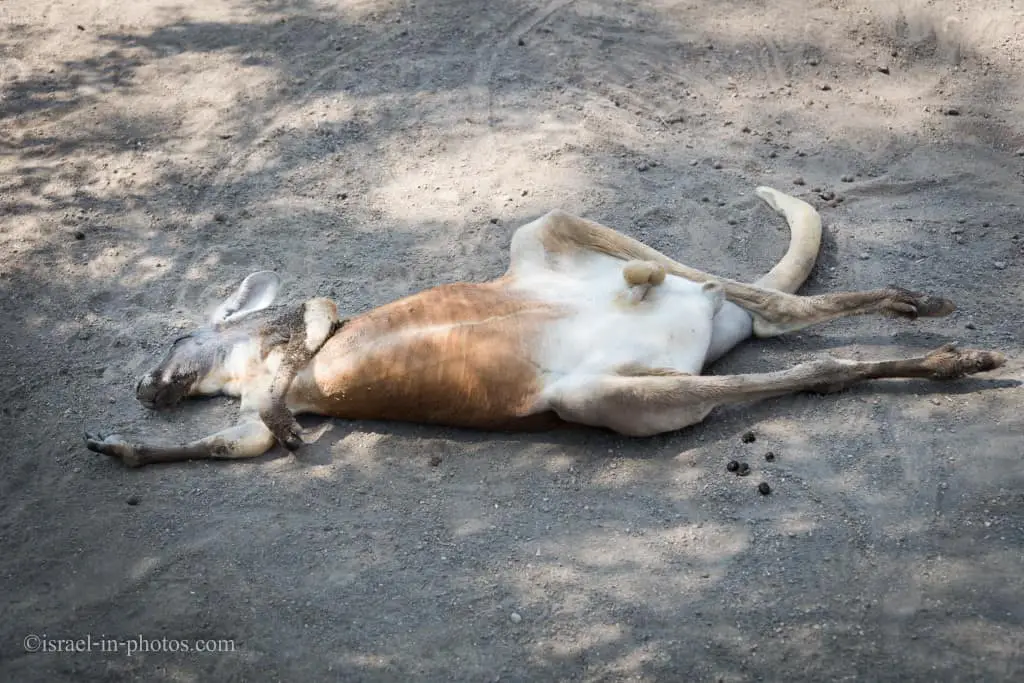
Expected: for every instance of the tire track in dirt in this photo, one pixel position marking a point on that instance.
(771, 61)
(490, 56)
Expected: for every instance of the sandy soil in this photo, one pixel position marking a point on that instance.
(154, 153)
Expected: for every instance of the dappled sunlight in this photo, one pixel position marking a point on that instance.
(708, 545)
(438, 187)
(985, 640)
(369, 662)
(144, 568)
(590, 638)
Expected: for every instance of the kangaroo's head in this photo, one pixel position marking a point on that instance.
(215, 358)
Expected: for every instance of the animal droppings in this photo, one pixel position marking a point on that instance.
(732, 466)
(764, 489)
(769, 456)
(749, 437)
(435, 460)
(744, 469)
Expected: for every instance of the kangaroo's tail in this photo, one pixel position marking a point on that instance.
(804, 241)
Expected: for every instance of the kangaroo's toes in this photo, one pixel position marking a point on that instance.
(949, 362)
(283, 426)
(909, 304)
(292, 440)
(114, 446)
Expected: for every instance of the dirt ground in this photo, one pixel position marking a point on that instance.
(154, 153)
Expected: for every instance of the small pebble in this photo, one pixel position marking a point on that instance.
(693, 162)
(79, 235)
(1020, 152)
(826, 86)
(744, 469)
(971, 326)
(999, 265)
(515, 617)
(847, 178)
(769, 456)
(951, 111)
(798, 180)
(220, 217)
(763, 488)
(772, 154)
(864, 256)
(882, 68)
(748, 437)
(732, 466)
(717, 165)
(494, 221)
(642, 166)
(132, 500)
(520, 42)
(955, 231)
(435, 460)
(827, 195)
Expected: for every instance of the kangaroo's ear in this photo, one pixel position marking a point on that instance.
(256, 292)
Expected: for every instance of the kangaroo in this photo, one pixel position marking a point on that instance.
(586, 327)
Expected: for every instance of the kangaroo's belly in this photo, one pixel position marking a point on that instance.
(606, 329)
(460, 355)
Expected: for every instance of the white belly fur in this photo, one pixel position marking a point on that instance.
(670, 329)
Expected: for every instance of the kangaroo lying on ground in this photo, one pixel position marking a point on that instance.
(587, 326)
